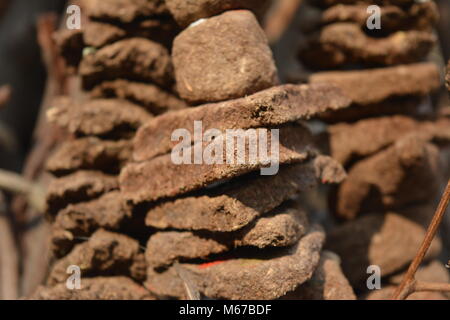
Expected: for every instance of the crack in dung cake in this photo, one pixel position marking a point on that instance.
(390, 139)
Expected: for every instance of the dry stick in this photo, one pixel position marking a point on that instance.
(5, 94)
(35, 246)
(8, 140)
(280, 19)
(15, 183)
(409, 284)
(431, 286)
(9, 269)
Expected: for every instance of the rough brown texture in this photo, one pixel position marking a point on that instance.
(147, 95)
(371, 86)
(161, 178)
(105, 253)
(391, 179)
(284, 227)
(134, 59)
(232, 206)
(79, 221)
(99, 117)
(239, 63)
(342, 43)
(124, 11)
(327, 283)
(389, 241)
(241, 278)
(349, 142)
(77, 187)
(186, 12)
(268, 108)
(419, 16)
(389, 139)
(89, 153)
(99, 288)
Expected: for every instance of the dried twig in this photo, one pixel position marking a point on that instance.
(280, 19)
(15, 183)
(3, 6)
(9, 265)
(35, 246)
(409, 285)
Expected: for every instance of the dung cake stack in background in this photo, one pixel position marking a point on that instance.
(390, 139)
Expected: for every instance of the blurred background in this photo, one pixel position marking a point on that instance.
(31, 76)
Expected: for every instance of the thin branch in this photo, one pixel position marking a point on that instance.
(15, 183)
(4, 4)
(408, 283)
(191, 290)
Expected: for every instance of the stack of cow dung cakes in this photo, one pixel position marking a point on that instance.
(130, 80)
(389, 139)
(123, 51)
(207, 221)
(225, 228)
